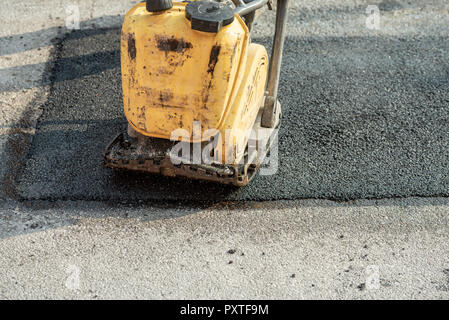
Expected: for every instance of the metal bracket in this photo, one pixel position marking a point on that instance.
(242, 8)
(270, 106)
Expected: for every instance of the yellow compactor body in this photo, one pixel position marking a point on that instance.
(181, 83)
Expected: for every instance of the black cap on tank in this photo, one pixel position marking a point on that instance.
(159, 5)
(209, 16)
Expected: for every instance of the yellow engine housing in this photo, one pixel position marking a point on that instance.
(173, 75)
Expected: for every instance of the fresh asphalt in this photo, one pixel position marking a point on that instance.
(363, 117)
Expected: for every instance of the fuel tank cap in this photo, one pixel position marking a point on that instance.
(209, 16)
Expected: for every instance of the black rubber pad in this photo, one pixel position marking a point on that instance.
(363, 117)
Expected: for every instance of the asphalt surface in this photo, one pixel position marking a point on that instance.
(363, 117)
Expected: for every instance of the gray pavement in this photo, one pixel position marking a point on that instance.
(292, 250)
(365, 116)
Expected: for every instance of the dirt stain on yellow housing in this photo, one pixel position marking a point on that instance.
(173, 75)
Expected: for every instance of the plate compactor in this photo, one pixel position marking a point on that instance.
(196, 92)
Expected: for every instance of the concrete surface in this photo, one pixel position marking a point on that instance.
(307, 249)
(366, 116)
